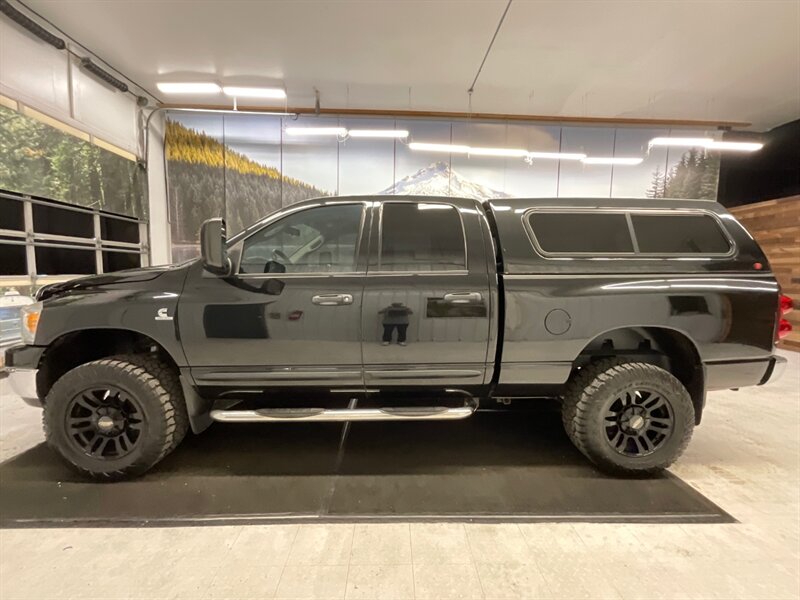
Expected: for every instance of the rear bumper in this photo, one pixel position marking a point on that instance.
(776, 368)
(731, 374)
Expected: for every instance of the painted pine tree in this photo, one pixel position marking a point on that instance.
(658, 185)
(695, 176)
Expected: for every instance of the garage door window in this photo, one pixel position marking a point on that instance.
(421, 237)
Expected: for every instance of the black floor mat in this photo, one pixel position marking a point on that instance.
(494, 466)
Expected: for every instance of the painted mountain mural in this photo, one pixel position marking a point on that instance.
(439, 179)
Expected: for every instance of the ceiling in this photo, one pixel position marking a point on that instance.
(705, 60)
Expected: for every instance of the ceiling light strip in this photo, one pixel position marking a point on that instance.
(705, 142)
(679, 141)
(557, 155)
(429, 147)
(378, 133)
(736, 146)
(273, 93)
(501, 152)
(188, 87)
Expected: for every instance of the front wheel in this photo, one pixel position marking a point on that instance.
(115, 417)
(628, 417)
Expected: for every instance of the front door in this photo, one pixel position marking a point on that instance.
(290, 315)
(427, 306)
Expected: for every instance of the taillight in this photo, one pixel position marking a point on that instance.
(785, 306)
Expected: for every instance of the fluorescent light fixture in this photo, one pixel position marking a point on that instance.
(378, 133)
(188, 88)
(255, 92)
(737, 146)
(609, 160)
(680, 141)
(509, 152)
(556, 155)
(709, 143)
(455, 149)
(316, 131)
(513, 152)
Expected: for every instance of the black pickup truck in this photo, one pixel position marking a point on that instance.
(412, 308)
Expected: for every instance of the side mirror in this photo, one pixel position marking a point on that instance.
(212, 247)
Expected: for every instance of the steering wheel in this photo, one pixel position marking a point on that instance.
(280, 257)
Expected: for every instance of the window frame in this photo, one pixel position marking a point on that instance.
(98, 242)
(628, 213)
(379, 271)
(238, 245)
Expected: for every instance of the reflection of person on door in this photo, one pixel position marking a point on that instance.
(395, 316)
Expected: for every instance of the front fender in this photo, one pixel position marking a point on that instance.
(147, 308)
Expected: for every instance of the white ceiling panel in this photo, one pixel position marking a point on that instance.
(674, 59)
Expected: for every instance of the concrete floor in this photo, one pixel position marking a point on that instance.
(745, 457)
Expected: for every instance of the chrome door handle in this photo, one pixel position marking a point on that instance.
(463, 297)
(332, 299)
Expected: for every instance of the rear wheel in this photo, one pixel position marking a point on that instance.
(116, 417)
(628, 417)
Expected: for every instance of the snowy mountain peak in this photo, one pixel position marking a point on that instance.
(438, 179)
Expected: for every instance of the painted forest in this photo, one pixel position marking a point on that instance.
(694, 176)
(208, 179)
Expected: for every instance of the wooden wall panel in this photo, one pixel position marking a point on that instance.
(775, 224)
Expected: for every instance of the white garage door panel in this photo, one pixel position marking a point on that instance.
(110, 113)
(36, 71)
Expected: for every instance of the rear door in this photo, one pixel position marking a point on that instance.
(426, 308)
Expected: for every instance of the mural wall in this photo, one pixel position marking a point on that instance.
(245, 166)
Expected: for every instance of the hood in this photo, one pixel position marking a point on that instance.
(94, 281)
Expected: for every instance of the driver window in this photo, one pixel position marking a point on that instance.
(316, 240)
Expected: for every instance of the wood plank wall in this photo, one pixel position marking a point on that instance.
(775, 224)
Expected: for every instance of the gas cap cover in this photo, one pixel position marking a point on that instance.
(557, 321)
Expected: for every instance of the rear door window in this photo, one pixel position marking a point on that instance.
(574, 232)
(679, 234)
(421, 237)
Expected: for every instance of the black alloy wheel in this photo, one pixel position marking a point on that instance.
(104, 422)
(638, 422)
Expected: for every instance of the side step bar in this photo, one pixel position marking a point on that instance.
(400, 413)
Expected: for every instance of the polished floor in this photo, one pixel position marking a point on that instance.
(745, 458)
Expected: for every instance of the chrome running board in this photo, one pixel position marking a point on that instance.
(400, 413)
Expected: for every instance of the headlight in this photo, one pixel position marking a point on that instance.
(30, 321)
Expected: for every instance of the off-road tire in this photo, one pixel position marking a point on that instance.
(589, 393)
(157, 390)
(168, 378)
